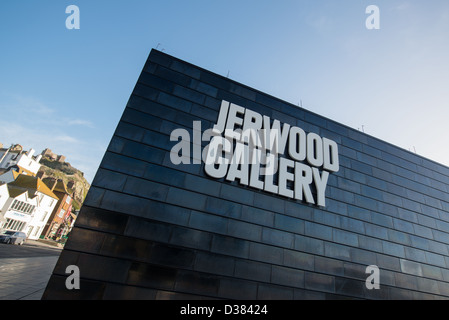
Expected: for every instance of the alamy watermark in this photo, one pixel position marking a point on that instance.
(373, 280)
(73, 280)
(259, 144)
(73, 20)
(373, 20)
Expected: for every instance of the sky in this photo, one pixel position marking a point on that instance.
(66, 89)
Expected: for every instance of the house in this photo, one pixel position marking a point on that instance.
(4, 196)
(28, 205)
(58, 223)
(25, 161)
(18, 209)
(9, 175)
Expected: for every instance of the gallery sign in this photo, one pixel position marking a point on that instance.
(262, 153)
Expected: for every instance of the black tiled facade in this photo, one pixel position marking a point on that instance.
(150, 229)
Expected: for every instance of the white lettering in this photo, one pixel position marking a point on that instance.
(255, 172)
(196, 142)
(222, 116)
(275, 139)
(234, 120)
(285, 176)
(214, 157)
(251, 126)
(239, 160)
(320, 184)
(72, 21)
(192, 310)
(270, 161)
(73, 281)
(373, 281)
(297, 144)
(373, 21)
(330, 153)
(250, 148)
(182, 147)
(303, 179)
(314, 150)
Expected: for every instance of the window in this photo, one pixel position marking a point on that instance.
(44, 216)
(37, 231)
(15, 204)
(61, 213)
(22, 207)
(14, 225)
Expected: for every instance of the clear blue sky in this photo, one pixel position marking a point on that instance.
(66, 89)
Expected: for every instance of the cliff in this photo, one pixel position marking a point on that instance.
(72, 177)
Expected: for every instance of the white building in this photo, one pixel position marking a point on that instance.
(4, 196)
(18, 210)
(24, 160)
(28, 206)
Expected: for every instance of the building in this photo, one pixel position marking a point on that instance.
(28, 205)
(14, 156)
(47, 153)
(10, 175)
(58, 224)
(4, 195)
(18, 209)
(67, 226)
(166, 220)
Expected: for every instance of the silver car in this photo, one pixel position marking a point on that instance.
(13, 237)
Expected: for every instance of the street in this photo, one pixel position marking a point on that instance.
(25, 270)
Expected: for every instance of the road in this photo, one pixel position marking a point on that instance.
(25, 270)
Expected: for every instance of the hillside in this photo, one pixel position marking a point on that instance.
(72, 177)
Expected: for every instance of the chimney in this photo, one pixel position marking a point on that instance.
(31, 153)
